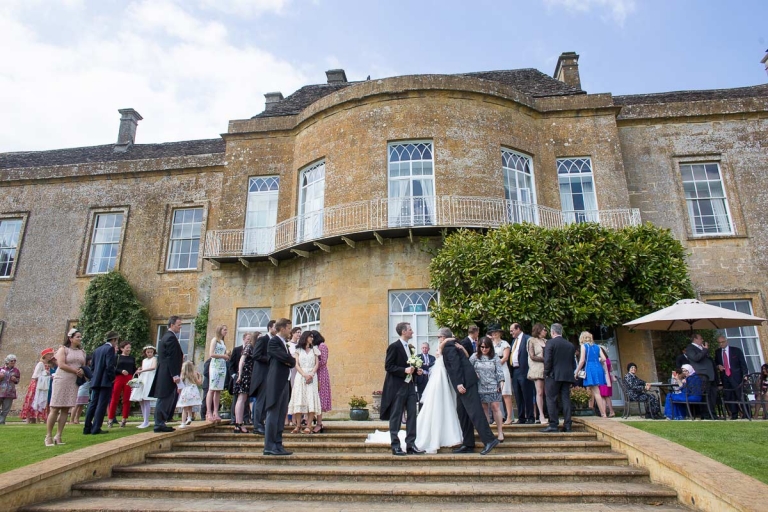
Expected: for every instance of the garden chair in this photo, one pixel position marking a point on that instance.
(628, 402)
(691, 391)
(743, 391)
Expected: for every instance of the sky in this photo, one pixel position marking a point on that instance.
(189, 66)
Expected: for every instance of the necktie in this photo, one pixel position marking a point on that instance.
(726, 363)
(474, 346)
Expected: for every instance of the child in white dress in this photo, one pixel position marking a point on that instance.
(190, 393)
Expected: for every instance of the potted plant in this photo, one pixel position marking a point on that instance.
(225, 405)
(357, 408)
(580, 401)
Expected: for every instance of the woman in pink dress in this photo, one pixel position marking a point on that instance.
(607, 391)
(71, 359)
(323, 379)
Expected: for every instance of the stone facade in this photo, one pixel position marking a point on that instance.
(636, 145)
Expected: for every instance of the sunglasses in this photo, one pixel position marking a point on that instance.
(485, 347)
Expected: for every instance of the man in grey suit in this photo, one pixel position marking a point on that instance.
(559, 367)
(698, 357)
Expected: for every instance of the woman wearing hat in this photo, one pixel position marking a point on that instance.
(70, 358)
(9, 377)
(146, 377)
(29, 411)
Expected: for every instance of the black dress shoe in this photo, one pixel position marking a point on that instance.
(567, 429)
(520, 421)
(412, 450)
(282, 451)
(165, 428)
(398, 451)
(100, 432)
(490, 446)
(530, 421)
(269, 452)
(549, 429)
(464, 449)
(259, 431)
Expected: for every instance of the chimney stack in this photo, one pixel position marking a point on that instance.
(765, 61)
(272, 99)
(128, 123)
(567, 69)
(336, 76)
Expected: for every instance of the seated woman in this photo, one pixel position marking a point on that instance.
(689, 384)
(637, 391)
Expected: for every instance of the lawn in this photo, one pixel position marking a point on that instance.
(738, 444)
(24, 444)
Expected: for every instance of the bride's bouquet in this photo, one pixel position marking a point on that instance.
(416, 362)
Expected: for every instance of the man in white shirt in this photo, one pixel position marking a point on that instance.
(523, 388)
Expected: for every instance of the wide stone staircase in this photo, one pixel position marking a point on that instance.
(336, 470)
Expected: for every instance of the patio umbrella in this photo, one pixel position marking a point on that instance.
(690, 314)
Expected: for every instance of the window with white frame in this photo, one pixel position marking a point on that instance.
(184, 246)
(414, 307)
(518, 186)
(307, 315)
(10, 231)
(705, 196)
(105, 242)
(745, 338)
(577, 190)
(411, 184)
(312, 201)
(261, 215)
(251, 320)
(186, 338)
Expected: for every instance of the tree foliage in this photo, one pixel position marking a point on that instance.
(582, 275)
(201, 325)
(670, 345)
(110, 304)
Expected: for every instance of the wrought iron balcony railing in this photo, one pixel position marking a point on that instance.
(398, 213)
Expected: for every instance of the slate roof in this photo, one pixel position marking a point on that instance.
(529, 81)
(682, 96)
(106, 153)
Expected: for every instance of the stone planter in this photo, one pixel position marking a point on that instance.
(358, 414)
(578, 411)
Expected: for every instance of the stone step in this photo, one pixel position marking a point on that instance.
(360, 437)
(340, 427)
(416, 472)
(351, 459)
(188, 504)
(257, 444)
(171, 490)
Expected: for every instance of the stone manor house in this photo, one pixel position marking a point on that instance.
(315, 208)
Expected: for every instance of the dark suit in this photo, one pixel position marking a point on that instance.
(680, 360)
(469, 345)
(280, 364)
(698, 357)
(559, 365)
(397, 394)
(103, 376)
(468, 406)
(169, 360)
(206, 376)
(523, 388)
(738, 370)
(258, 390)
(423, 379)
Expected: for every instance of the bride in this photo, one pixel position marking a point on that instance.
(438, 422)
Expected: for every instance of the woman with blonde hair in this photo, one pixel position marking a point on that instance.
(217, 373)
(596, 373)
(536, 344)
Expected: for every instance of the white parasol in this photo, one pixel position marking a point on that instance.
(690, 314)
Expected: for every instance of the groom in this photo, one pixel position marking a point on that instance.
(398, 394)
(470, 410)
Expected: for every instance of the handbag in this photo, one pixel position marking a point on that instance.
(582, 374)
(135, 383)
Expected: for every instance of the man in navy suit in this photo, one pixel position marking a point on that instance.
(559, 366)
(427, 362)
(102, 378)
(523, 388)
(397, 394)
(280, 363)
(732, 368)
(470, 342)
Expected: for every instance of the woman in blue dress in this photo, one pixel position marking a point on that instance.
(596, 372)
(689, 383)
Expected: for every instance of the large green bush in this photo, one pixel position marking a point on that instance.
(581, 276)
(110, 304)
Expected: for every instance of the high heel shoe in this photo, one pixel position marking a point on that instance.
(239, 429)
(319, 429)
(296, 430)
(123, 423)
(57, 440)
(49, 441)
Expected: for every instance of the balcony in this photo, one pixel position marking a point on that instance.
(392, 217)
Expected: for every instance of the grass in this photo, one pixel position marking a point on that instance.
(23, 444)
(738, 444)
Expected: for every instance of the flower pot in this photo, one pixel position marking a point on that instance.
(358, 414)
(583, 412)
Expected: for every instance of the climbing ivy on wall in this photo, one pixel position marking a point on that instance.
(582, 275)
(110, 304)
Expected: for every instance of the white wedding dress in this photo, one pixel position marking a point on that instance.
(438, 422)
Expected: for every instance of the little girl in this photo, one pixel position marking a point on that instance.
(190, 394)
(83, 395)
